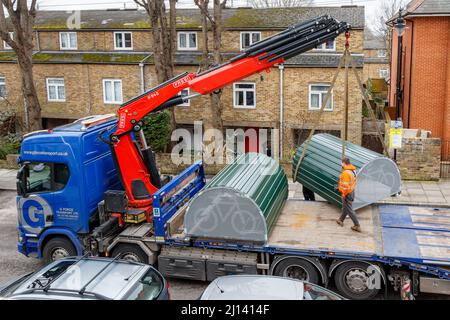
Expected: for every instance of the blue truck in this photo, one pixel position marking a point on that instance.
(65, 172)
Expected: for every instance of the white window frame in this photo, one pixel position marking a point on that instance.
(123, 40)
(68, 39)
(245, 106)
(251, 41)
(187, 33)
(5, 45)
(47, 80)
(382, 53)
(104, 91)
(3, 80)
(380, 71)
(322, 47)
(310, 92)
(187, 103)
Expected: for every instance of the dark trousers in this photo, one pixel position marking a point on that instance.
(347, 209)
(308, 194)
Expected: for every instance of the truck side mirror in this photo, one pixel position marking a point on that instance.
(21, 181)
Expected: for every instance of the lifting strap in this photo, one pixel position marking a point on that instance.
(345, 60)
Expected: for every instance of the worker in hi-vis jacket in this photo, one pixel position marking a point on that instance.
(346, 186)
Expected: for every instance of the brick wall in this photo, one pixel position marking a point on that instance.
(167, 167)
(297, 114)
(142, 40)
(95, 40)
(84, 87)
(425, 75)
(372, 70)
(419, 159)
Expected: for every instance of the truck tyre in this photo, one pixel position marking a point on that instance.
(351, 279)
(58, 248)
(130, 252)
(297, 269)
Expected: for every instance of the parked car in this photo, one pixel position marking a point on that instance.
(255, 287)
(89, 278)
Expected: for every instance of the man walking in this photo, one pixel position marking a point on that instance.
(346, 186)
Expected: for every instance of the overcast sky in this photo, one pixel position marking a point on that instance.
(372, 6)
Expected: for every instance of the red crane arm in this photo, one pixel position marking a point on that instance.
(131, 162)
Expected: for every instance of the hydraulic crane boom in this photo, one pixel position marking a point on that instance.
(138, 172)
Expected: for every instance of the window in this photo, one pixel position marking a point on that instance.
(317, 94)
(2, 87)
(68, 40)
(123, 41)
(42, 177)
(187, 40)
(148, 288)
(5, 45)
(185, 93)
(382, 53)
(384, 73)
(314, 292)
(55, 89)
(249, 38)
(327, 46)
(112, 91)
(244, 95)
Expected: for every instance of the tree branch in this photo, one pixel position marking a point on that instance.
(203, 6)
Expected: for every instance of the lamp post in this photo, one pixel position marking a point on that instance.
(400, 27)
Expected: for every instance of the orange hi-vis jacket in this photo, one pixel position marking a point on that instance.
(347, 180)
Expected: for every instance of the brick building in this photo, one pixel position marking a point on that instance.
(425, 70)
(376, 62)
(108, 60)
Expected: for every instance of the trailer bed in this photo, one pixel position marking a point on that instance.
(312, 226)
(418, 234)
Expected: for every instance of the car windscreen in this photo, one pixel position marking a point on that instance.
(43, 277)
(313, 292)
(149, 287)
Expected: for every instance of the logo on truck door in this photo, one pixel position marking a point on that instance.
(34, 214)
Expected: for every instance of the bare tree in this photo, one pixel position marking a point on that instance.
(19, 19)
(388, 10)
(279, 3)
(215, 21)
(164, 37)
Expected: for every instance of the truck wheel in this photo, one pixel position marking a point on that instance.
(58, 248)
(297, 269)
(130, 252)
(351, 279)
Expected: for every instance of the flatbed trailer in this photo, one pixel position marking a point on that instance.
(398, 244)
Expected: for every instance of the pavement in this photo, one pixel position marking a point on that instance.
(8, 179)
(430, 193)
(434, 193)
(420, 193)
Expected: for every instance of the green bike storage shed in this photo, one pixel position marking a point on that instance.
(377, 176)
(242, 202)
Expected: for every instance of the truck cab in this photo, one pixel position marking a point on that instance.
(63, 175)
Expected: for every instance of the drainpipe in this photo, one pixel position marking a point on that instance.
(38, 44)
(281, 68)
(142, 66)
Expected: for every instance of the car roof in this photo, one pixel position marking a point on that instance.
(102, 277)
(253, 287)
